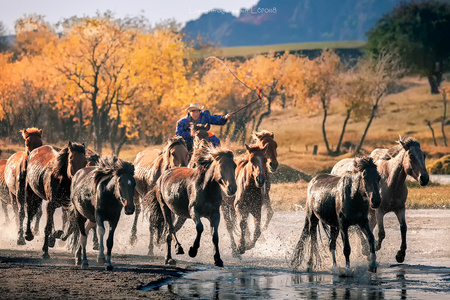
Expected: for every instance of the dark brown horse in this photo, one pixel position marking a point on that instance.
(49, 175)
(394, 165)
(251, 174)
(147, 171)
(263, 138)
(195, 193)
(15, 177)
(98, 195)
(339, 202)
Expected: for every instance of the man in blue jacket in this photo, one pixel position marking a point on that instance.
(197, 115)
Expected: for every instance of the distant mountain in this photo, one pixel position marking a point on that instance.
(290, 21)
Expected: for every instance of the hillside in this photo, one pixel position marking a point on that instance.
(289, 21)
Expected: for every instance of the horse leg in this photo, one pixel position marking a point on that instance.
(243, 225)
(365, 227)
(268, 204)
(168, 259)
(15, 208)
(345, 240)
(314, 221)
(168, 218)
(199, 227)
(381, 232)
(400, 257)
(94, 239)
(101, 234)
(137, 205)
(110, 243)
(51, 207)
(38, 218)
(298, 251)
(21, 205)
(151, 229)
(214, 221)
(257, 231)
(226, 209)
(5, 212)
(334, 233)
(33, 203)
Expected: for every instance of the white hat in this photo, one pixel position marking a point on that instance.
(194, 106)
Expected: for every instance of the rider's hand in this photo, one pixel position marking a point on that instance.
(229, 116)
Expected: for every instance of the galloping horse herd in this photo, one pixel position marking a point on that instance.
(174, 185)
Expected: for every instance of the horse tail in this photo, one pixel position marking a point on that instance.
(155, 214)
(326, 229)
(73, 229)
(298, 254)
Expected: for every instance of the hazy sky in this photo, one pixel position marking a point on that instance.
(154, 10)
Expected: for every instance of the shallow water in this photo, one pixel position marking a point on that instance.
(265, 272)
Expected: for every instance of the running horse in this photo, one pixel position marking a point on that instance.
(148, 170)
(15, 178)
(98, 195)
(394, 164)
(263, 138)
(195, 193)
(49, 175)
(4, 192)
(251, 174)
(339, 202)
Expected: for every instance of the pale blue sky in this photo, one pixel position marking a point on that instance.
(154, 10)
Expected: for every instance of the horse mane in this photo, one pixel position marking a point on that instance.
(31, 131)
(242, 162)
(404, 143)
(92, 157)
(172, 142)
(109, 166)
(364, 163)
(262, 134)
(204, 156)
(60, 163)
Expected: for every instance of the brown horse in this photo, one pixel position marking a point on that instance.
(49, 175)
(98, 195)
(251, 174)
(148, 170)
(339, 202)
(195, 193)
(394, 165)
(263, 138)
(15, 177)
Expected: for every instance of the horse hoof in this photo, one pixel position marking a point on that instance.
(133, 240)
(241, 250)
(193, 252)
(51, 242)
(45, 256)
(95, 246)
(101, 260)
(58, 234)
(77, 262)
(29, 237)
(21, 241)
(170, 262)
(218, 263)
(372, 269)
(400, 257)
(109, 268)
(179, 250)
(84, 266)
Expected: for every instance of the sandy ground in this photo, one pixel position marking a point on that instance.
(24, 275)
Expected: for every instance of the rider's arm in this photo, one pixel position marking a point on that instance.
(214, 119)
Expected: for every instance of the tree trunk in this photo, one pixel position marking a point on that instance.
(324, 133)
(372, 116)
(444, 118)
(338, 148)
(432, 131)
(435, 78)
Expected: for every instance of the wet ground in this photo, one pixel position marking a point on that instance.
(264, 271)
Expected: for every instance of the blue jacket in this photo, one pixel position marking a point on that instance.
(205, 118)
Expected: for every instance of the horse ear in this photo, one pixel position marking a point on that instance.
(247, 147)
(272, 135)
(40, 132)
(265, 146)
(208, 126)
(70, 145)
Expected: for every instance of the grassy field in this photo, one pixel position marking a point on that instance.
(246, 51)
(403, 113)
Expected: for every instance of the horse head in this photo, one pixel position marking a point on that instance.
(369, 180)
(224, 170)
(264, 138)
(76, 158)
(177, 154)
(414, 162)
(125, 185)
(33, 138)
(199, 132)
(258, 161)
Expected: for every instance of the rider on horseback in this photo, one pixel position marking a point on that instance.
(197, 115)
